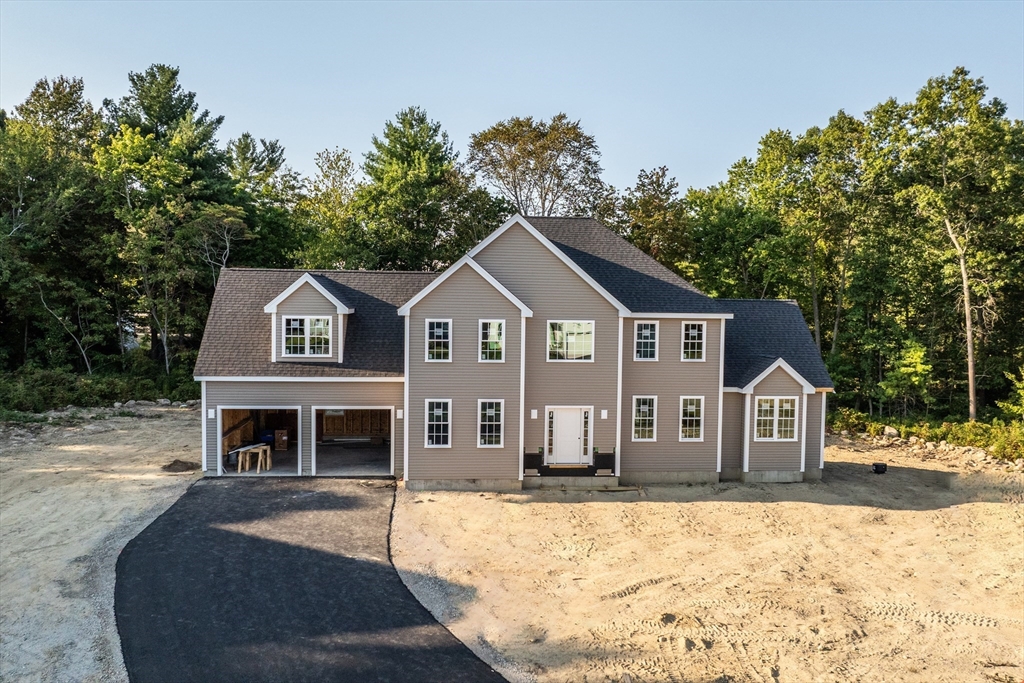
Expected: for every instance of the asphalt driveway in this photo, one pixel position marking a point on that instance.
(278, 580)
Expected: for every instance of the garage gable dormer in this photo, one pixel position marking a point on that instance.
(307, 323)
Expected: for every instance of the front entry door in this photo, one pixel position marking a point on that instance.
(570, 433)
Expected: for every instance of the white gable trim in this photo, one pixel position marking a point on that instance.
(623, 311)
(466, 261)
(307, 279)
(808, 388)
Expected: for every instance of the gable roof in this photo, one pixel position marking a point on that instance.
(237, 338)
(466, 261)
(635, 279)
(763, 331)
(308, 279)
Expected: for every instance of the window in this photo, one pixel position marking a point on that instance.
(775, 419)
(490, 423)
(691, 418)
(307, 336)
(693, 341)
(645, 409)
(570, 341)
(439, 420)
(439, 340)
(646, 345)
(492, 341)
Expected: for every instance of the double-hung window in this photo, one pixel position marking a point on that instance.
(492, 341)
(438, 423)
(439, 341)
(490, 423)
(646, 341)
(645, 416)
(571, 340)
(307, 336)
(693, 341)
(775, 419)
(691, 418)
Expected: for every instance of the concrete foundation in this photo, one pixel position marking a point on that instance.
(571, 483)
(731, 474)
(464, 485)
(632, 478)
(812, 474)
(772, 477)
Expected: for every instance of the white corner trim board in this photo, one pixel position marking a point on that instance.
(308, 279)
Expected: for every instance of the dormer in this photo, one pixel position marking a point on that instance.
(308, 322)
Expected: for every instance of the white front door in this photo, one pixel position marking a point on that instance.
(570, 433)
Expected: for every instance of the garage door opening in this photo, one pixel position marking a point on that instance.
(259, 441)
(352, 442)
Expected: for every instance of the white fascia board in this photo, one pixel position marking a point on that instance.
(307, 279)
(623, 311)
(298, 379)
(466, 261)
(684, 316)
(808, 388)
(732, 390)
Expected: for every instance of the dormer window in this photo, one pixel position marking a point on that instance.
(307, 336)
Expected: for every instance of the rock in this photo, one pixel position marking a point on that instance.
(163, 401)
(130, 404)
(175, 404)
(118, 404)
(891, 431)
(145, 403)
(930, 445)
(845, 432)
(943, 443)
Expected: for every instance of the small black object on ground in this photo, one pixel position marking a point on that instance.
(878, 467)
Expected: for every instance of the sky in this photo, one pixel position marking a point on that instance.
(688, 85)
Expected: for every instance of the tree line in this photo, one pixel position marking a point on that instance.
(900, 232)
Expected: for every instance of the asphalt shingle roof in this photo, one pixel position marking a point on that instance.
(764, 330)
(638, 281)
(237, 338)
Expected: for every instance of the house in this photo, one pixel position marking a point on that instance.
(553, 350)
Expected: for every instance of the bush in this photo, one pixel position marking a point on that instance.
(35, 391)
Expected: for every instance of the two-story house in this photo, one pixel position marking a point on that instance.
(553, 350)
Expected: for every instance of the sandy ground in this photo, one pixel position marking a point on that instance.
(904, 576)
(71, 497)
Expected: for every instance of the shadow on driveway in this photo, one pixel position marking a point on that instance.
(278, 580)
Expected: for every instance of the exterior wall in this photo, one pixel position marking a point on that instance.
(307, 301)
(307, 395)
(812, 465)
(465, 298)
(776, 455)
(732, 434)
(668, 378)
(554, 292)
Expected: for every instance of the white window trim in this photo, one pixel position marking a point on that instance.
(479, 402)
(703, 416)
(306, 326)
(480, 339)
(657, 339)
(703, 341)
(426, 422)
(426, 340)
(775, 418)
(654, 419)
(547, 341)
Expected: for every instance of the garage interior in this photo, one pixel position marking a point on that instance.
(353, 442)
(249, 428)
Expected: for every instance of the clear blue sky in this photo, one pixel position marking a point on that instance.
(689, 85)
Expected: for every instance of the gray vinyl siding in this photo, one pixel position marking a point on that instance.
(668, 378)
(775, 455)
(307, 301)
(814, 430)
(554, 292)
(307, 395)
(732, 430)
(465, 298)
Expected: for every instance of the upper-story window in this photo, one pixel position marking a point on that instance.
(776, 418)
(693, 341)
(492, 341)
(439, 340)
(646, 341)
(307, 336)
(570, 340)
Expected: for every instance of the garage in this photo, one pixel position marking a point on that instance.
(261, 441)
(353, 441)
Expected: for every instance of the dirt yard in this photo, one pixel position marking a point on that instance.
(71, 496)
(905, 576)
